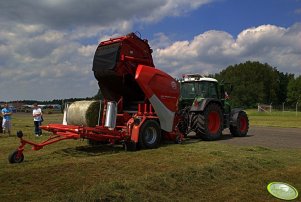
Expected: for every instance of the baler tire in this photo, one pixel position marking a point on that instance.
(149, 135)
(130, 146)
(202, 126)
(12, 158)
(242, 126)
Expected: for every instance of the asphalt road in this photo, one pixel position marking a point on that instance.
(266, 137)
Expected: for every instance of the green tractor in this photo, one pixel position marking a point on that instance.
(205, 109)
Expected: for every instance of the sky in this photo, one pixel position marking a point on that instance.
(47, 46)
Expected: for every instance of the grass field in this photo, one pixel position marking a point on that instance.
(276, 119)
(197, 171)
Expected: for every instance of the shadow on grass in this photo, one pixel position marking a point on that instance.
(225, 136)
(106, 149)
(91, 150)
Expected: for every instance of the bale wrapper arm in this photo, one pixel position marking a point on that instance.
(140, 102)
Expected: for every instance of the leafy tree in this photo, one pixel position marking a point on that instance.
(294, 90)
(282, 91)
(253, 83)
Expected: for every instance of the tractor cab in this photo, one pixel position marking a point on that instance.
(195, 88)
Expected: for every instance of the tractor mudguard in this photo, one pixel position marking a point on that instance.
(234, 116)
(200, 105)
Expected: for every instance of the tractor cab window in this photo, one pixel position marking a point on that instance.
(188, 90)
(207, 89)
(213, 90)
(203, 89)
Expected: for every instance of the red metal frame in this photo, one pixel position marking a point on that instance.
(151, 81)
(121, 133)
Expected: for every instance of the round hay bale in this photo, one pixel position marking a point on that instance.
(84, 113)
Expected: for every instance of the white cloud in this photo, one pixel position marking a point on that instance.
(70, 14)
(173, 8)
(47, 47)
(212, 51)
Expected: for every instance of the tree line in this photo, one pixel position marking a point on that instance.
(254, 82)
(55, 101)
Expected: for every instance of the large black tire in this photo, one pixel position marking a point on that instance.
(241, 128)
(208, 125)
(130, 146)
(149, 135)
(13, 157)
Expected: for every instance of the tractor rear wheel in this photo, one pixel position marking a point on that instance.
(150, 135)
(241, 128)
(183, 124)
(14, 158)
(208, 124)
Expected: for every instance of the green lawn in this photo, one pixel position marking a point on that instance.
(275, 119)
(199, 171)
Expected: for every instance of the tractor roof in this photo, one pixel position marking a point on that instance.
(196, 77)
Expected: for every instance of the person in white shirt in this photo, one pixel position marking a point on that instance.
(37, 118)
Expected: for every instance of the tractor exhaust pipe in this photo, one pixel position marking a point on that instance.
(111, 115)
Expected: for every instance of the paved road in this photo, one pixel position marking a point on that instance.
(267, 137)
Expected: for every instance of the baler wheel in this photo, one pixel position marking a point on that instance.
(14, 158)
(130, 146)
(150, 135)
(242, 126)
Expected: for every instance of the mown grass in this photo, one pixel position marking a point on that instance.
(275, 119)
(193, 171)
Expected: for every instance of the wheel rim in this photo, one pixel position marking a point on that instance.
(18, 158)
(150, 135)
(243, 124)
(213, 122)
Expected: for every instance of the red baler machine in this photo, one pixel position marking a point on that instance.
(140, 102)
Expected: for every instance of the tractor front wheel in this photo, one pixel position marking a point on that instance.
(241, 128)
(150, 135)
(15, 157)
(208, 124)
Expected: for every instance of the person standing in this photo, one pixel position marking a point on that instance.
(37, 118)
(1, 118)
(6, 121)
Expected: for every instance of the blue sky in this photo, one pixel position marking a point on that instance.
(47, 46)
(231, 16)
